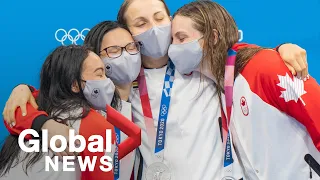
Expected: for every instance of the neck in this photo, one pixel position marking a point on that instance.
(206, 72)
(124, 91)
(153, 63)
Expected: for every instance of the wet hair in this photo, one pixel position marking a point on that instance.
(61, 69)
(220, 33)
(124, 7)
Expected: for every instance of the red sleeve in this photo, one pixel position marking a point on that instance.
(129, 128)
(24, 122)
(245, 45)
(297, 98)
(95, 124)
(34, 91)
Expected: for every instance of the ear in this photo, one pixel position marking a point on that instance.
(170, 18)
(75, 87)
(216, 36)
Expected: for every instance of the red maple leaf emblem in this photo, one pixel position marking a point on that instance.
(243, 102)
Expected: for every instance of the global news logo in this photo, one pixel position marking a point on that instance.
(96, 144)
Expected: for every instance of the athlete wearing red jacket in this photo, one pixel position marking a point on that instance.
(272, 116)
(275, 119)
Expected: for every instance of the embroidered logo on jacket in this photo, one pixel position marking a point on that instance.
(244, 106)
(294, 88)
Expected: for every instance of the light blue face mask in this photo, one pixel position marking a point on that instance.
(123, 69)
(155, 41)
(186, 57)
(99, 93)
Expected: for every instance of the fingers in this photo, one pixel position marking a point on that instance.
(302, 65)
(11, 114)
(23, 110)
(305, 71)
(291, 69)
(294, 63)
(33, 102)
(4, 114)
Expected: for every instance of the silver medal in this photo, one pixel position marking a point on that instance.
(228, 178)
(158, 171)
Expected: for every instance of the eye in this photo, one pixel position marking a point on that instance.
(140, 24)
(181, 39)
(100, 74)
(160, 18)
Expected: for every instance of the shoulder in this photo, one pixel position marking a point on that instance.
(266, 63)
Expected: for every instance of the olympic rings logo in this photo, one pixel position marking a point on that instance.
(73, 35)
(240, 35)
(164, 110)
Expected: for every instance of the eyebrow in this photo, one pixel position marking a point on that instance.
(179, 33)
(157, 12)
(100, 68)
(140, 18)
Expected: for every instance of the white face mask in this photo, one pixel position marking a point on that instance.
(155, 41)
(123, 69)
(186, 57)
(99, 93)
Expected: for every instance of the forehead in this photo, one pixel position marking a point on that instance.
(116, 37)
(144, 7)
(92, 62)
(180, 23)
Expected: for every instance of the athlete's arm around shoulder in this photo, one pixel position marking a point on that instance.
(95, 124)
(279, 88)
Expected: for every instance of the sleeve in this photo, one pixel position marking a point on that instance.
(245, 45)
(297, 98)
(33, 120)
(129, 128)
(95, 124)
(34, 91)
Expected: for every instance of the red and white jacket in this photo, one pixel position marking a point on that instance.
(94, 123)
(275, 120)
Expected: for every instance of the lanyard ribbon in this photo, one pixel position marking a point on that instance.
(228, 88)
(160, 135)
(116, 166)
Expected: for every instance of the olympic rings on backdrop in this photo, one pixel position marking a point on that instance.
(67, 35)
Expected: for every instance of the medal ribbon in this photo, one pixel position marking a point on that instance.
(160, 135)
(228, 88)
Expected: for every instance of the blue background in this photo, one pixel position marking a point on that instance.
(27, 30)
